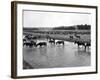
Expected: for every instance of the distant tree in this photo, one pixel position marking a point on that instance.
(64, 28)
(84, 27)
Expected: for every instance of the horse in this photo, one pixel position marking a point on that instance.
(47, 37)
(71, 37)
(79, 43)
(24, 40)
(83, 44)
(29, 37)
(77, 36)
(33, 43)
(52, 42)
(30, 44)
(41, 44)
(34, 37)
(87, 45)
(60, 42)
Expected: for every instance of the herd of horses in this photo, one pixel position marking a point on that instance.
(29, 41)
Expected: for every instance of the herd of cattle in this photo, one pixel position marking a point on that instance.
(31, 41)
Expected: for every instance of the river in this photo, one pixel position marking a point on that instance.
(54, 56)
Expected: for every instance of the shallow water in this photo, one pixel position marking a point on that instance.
(53, 56)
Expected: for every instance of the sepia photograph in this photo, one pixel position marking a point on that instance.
(53, 39)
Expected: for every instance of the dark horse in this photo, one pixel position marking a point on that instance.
(24, 40)
(82, 44)
(60, 42)
(87, 45)
(30, 44)
(71, 37)
(52, 41)
(41, 44)
(79, 43)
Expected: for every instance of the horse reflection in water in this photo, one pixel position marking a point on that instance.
(61, 54)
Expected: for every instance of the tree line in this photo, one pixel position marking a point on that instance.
(75, 27)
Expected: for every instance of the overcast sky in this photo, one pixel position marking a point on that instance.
(53, 19)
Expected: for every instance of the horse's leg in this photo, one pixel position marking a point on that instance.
(56, 43)
(84, 47)
(78, 45)
(88, 47)
(41, 45)
(63, 43)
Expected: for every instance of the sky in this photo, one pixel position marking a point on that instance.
(54, 19)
